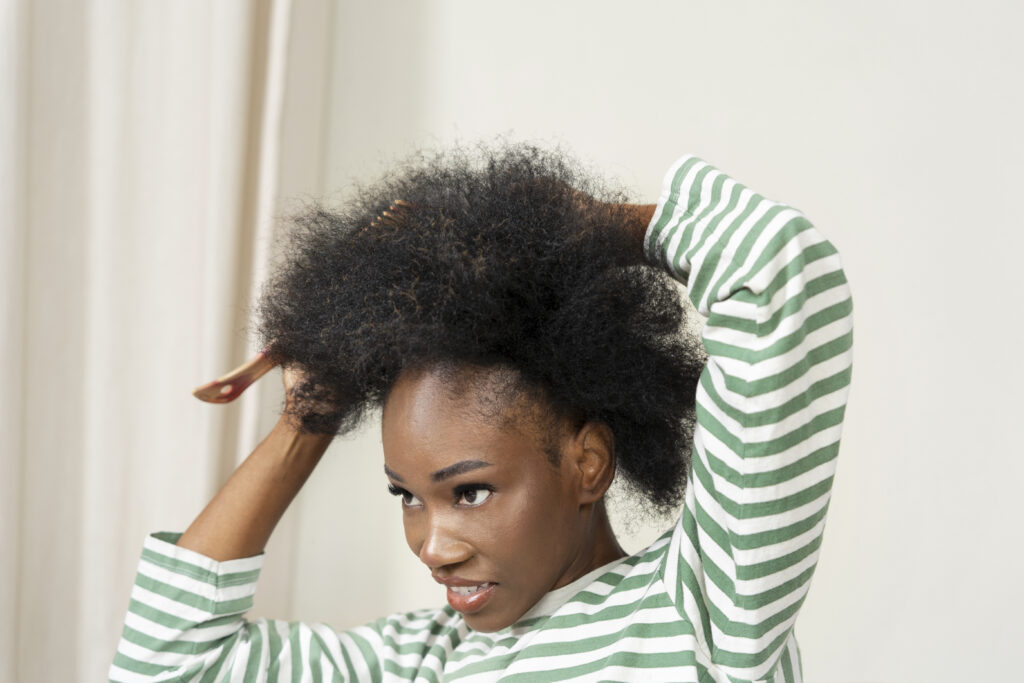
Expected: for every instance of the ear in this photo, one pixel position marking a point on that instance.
(593, 458)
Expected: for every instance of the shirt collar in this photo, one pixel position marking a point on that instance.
(553, 600)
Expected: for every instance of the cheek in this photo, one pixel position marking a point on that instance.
(533, 527)
(412, 537)
(415, 527)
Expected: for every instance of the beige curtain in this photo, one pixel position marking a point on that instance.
(140, 170)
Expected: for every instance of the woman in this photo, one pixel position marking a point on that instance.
(502, 316)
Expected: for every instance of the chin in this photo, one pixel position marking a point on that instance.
(489, 623)
(486, 625)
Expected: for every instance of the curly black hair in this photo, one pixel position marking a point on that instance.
(499, 256)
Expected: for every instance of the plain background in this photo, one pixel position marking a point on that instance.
(896, 128)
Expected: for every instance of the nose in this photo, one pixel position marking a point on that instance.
(439, 544)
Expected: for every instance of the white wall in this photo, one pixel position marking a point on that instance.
(896, 128)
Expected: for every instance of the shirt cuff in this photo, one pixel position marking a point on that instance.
(190, 578)
(666, 215)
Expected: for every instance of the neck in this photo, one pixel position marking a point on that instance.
(599, 547)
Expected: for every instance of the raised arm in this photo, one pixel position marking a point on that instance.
(240, 518)
(770, 408)
(185, 619)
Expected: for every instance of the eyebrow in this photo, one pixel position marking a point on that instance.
(393, 475)
(458, 468)
(445, 472)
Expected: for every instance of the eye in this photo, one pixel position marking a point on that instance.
(472, 495)
(408, 500)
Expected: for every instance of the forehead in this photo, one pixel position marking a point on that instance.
(429, 421)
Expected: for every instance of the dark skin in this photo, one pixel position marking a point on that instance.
(542, 527)
(487, 522)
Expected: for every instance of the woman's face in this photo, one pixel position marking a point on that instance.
(483, 506)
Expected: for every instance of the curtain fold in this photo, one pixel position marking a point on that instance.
(13, 115)
(140, 146)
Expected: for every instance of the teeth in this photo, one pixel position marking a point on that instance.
(468, 590)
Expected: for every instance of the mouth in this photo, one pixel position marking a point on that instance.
(470, 599)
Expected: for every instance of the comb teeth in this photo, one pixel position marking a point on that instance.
(395, 214)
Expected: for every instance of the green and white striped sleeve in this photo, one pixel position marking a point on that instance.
(185, 623)
(770, 407)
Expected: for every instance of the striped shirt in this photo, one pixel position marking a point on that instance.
(714, 599)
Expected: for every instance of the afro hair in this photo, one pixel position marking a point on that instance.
(499, 256)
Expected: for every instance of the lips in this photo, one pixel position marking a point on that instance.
(472, 602)
(467, 596)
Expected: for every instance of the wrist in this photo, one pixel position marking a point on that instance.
(294, 444)
(638, 218)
